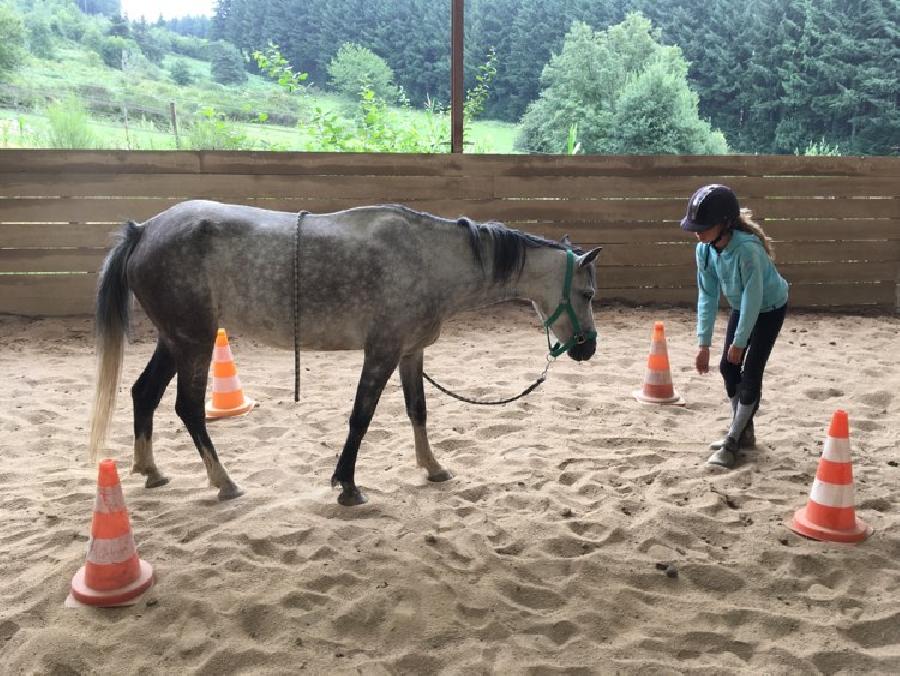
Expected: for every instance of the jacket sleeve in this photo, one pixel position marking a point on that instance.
(707, 296)
(751, 270)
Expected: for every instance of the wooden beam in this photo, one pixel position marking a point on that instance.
(456, 76)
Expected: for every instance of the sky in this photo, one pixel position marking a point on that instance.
(170, 9)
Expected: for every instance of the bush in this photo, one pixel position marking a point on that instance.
(656, 114)
(69, 126)
(12, 36)
(181, 73)
(116, 51)
(152, 42)
(93, 39)
(40, 36)
(819, 148)
(68, 22)
(227, 64)
(189, 46)
(211, 131)
(355, 68)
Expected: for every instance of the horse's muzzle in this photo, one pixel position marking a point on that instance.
(583, 351)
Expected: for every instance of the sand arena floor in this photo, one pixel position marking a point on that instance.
(539, 557)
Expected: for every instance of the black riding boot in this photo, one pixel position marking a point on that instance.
(726, 455)
(748, 436)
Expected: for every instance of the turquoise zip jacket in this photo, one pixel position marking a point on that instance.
(748, 278)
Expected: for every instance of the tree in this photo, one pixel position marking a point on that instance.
(355, 67)
(40, 36)
(116, 51)
(12, 37)
(717, 65)
(153, 42)
(68, 22)
(227, 65)
(118, 27)
(181, 73)
(771, 74)
(656, 113)
(626, 92)
(105, 7)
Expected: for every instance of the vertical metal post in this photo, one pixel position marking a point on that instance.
(174, 123)
(456, 76)
(127, 135)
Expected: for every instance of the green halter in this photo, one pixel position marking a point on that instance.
(565, 305)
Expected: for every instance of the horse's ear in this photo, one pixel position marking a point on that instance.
(566, 242)
(590, 256)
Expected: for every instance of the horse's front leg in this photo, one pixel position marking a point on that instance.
(414, 394)
(378, 366)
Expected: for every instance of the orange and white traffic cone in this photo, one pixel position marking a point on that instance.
(227, 395)
(113, 574)
(830, 513)
(658, 388)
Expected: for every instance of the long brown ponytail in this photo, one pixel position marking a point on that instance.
(746, 223)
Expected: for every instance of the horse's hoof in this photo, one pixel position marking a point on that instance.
(351, 497)
(229, 491)
(155, 481)
(441, 475)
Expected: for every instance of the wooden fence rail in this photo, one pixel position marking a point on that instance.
(836, 220)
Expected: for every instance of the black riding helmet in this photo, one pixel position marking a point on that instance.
(710, 205)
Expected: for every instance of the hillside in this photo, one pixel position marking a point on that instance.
(131, 108)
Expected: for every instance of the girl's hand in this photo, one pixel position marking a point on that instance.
(735, 354)
(702, 361)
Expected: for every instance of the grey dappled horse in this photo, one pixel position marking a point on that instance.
(381, 279)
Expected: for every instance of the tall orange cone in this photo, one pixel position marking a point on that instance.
(227, 395)
(112, 574)
(830, 513)
(658, 388)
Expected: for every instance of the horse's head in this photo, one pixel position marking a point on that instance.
(565, 304)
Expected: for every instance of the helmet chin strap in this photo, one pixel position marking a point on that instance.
(713, 243)
(718, 239)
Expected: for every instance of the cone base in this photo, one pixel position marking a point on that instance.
(91, 597)
(802, 525)
(212, 413)
(675, 399)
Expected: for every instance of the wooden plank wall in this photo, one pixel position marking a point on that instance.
(836, 221)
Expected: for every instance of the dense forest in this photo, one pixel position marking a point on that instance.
(548, 76)
(772, 75)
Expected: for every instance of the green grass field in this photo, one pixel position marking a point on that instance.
(145, 91)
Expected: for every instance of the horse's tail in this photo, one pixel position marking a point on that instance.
(111, 323)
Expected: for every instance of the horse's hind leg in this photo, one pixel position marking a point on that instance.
(414, 394)
(145, 394)
(193, 371)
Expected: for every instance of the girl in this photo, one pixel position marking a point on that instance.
(735, 256)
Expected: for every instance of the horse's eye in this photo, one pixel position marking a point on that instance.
(588, 295)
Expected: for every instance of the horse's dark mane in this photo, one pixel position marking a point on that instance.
(509, 246)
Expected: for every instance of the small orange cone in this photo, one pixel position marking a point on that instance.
(227, 396)
(830, 513)
(113, 574)
(658, 388)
